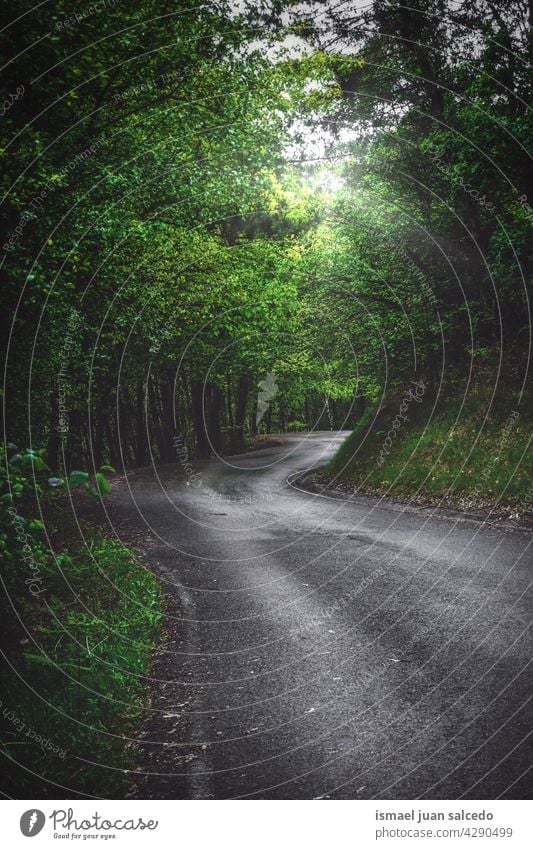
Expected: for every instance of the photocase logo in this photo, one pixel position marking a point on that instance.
(267, 391)
(32, 822)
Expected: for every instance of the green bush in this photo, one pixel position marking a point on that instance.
(80, 627)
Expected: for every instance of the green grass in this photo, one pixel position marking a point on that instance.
(474, 457)
(80, 668)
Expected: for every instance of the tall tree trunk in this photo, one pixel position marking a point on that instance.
(54, 438)
(170, 421)
(215, 398)
(240, 411)
(253, 418)
(98, 435)
(229, 404)
(141, 442)
(113, 447)
(156, 417)
(202, 440)
(74, 458)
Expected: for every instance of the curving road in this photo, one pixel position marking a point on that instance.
(322, 648)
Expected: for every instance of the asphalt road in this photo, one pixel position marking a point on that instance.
(320, 648)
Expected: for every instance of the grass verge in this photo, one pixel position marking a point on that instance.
(469, 453)
(78, 644)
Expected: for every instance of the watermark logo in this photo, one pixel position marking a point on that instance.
(416, 395)
(32, 822)
(267, 391)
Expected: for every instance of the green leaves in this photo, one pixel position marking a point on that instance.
(77, 478)
(100, 487)
(28, 459)
(101, 484)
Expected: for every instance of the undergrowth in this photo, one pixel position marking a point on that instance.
(471, 453)
(80, 627)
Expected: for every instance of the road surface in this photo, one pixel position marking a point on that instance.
(317, 648)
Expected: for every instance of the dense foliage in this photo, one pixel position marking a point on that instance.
(171, 240)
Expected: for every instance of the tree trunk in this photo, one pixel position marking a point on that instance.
(240, 412)
(229, 405)
(54, 436)
(98, 435)
(169, 420)
(253, 418)
(141, 443)
(215, 399)
(156, 417)
(74, 448)
(113, 447)
(202, 440)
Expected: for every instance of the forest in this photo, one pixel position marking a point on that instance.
(345, 208)
(230, 220)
